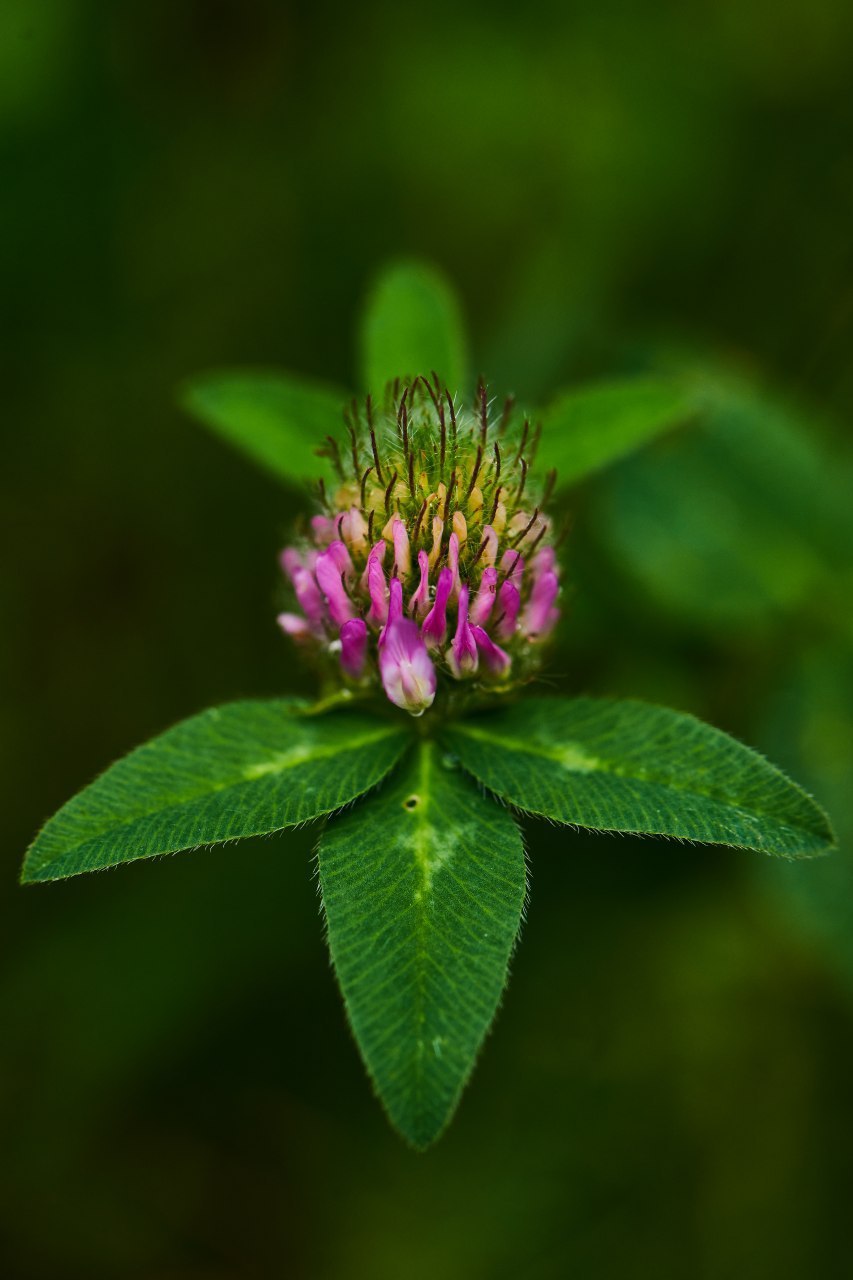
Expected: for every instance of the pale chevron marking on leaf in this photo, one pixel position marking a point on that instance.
(568, 755)
(284, 760)
(219, 776)
(643, 769)
(423, 892)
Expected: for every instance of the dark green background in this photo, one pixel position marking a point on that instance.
(667, 1091)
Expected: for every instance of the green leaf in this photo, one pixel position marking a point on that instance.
(245, 769)
(739, 522)
(423, 891)
(277, 419)
(808, 719)
(586, 429)
(412, 325)
(627, 766)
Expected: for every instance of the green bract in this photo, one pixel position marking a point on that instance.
(421, 862)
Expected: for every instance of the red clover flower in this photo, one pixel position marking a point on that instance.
(431, 562)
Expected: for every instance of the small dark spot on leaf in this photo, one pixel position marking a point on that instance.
(411, 802)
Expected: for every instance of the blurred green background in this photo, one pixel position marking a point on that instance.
(611, 185)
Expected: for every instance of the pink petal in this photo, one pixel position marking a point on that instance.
(544, 560)
(353, 646)
(453, 565)
(462, 658)
(323, 529)
(512, 566)
(378, 613)
(294, 625)
(419, 603)
(377, 552)
(395, 607)
(496, 660)
(290, 560)
(341, 559)
(330, 581)
(310, 598)
(408, 675)
(482, 604)
(540, 616)
(434, 629)
(509, 603)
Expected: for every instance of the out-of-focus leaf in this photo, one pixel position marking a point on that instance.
(277, 419)
(244, 769)
(412, 325)
(808, 724)
(588, 428)
(629, 766)
(743, 519)
(423, 893)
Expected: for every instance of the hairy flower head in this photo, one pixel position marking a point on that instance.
(431, 561)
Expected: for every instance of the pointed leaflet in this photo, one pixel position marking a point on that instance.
(279, 420)
(240, 770)
(588, 428)
(627, 766)
(423, 893)
(412, 325)
(739, 522)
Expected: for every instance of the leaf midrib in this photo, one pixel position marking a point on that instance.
(421, 839)
(179, 801)
(556, 756)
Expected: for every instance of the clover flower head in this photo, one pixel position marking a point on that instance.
(431, 562)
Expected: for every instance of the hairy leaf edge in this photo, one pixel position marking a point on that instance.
(515, 814)
(300, 708)
(830, 845)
